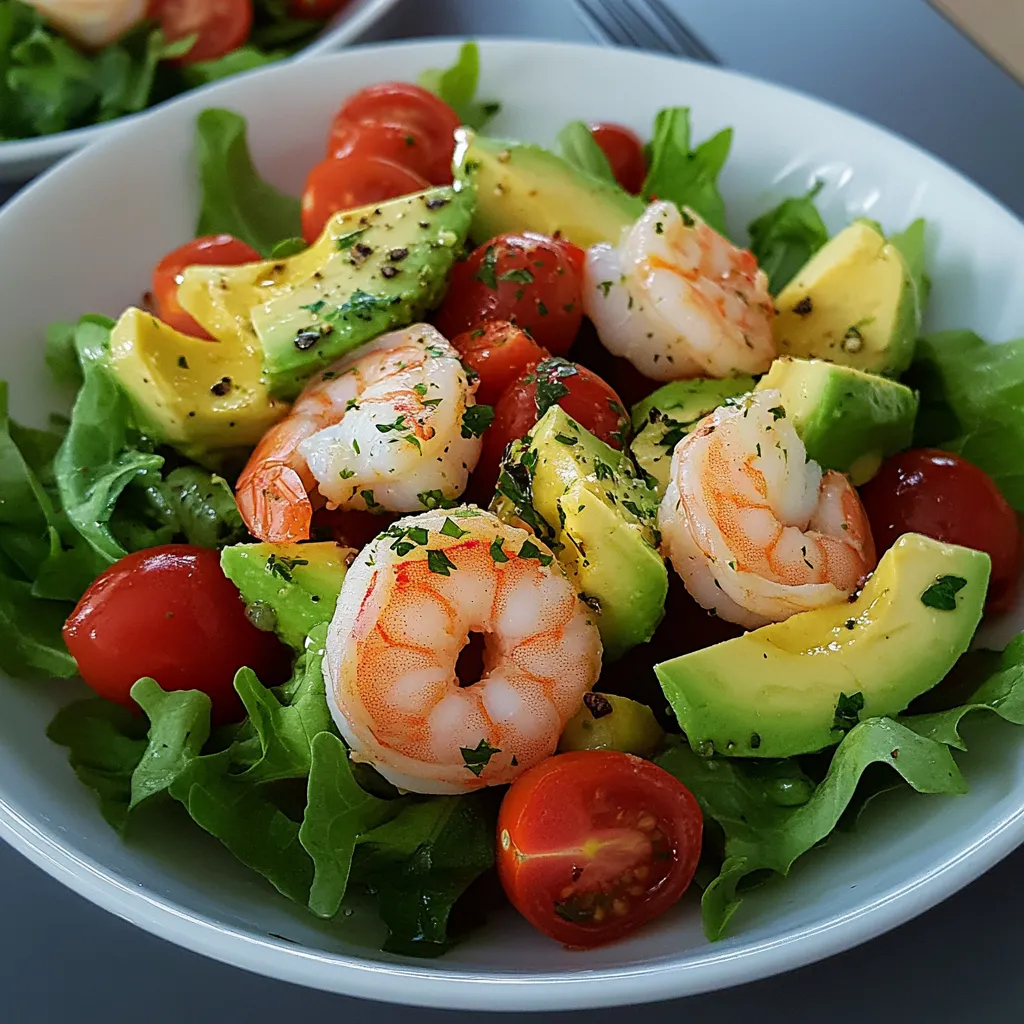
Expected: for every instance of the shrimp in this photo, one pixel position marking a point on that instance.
(756, 531)
(407, 608)
(380, 430)
(678, 300)
(93, 23)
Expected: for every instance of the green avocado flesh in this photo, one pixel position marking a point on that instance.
(608, 722)
(797, 686)
(667, 415)
(374, 269)
(847, 419)
(288, 588)
(584, 499)
(524, 187)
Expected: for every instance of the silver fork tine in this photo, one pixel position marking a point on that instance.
(608, 22)
(637, 23)
(688, 41)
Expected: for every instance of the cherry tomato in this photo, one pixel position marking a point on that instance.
(582, 394)
(532, 280)
(409, 106)
(945, 497)
(352, 528)
(406, 147)
(630, 383)
(211, 251)
(350, 182)
(220, 26)
(594, 844)
(499, 353)
(315, 9)
(170, 613)
(625, 153)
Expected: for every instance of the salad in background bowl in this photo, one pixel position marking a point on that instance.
(491, 515)
(68, 69)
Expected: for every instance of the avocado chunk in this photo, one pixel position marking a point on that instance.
(584, 499)
(288, 588)
(847, 419)
(608, 722)
(797, 686)
(667, 415)
(203, 398)
(374, 269)
(854, 302)
(524, 187)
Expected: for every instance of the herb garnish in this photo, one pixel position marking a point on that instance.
(848, 710)
(452, 529)
(941, 595)
(486, 272)
(439, 562)
(497, 550)
(282, 567)
(530, 550)
(477, 758)
(476, 419)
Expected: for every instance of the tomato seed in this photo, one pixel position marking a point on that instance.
(642, 872)
(635, 890)
(566, 892)
(599, 915)
(646, 821)
(620, 908)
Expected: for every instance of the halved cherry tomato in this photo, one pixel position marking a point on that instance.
(170, 613)
(352, 528)
(220, 26)
(210, 251)
(409, 106)
(946, 497)
(315, 9)
(582, 394)
(350, 182)
(532, 280)
(594, 844)
(498, 353)
(625, 153)
(406, 147)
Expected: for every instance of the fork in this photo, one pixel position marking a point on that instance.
(645, 24)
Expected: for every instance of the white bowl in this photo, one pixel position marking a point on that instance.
(83, 237)
(23, 158)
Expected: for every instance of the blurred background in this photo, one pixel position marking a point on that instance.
(901, 63)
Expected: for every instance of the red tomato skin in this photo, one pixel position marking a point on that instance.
(409, 106)
(406, 147)
(211, 251)
(498, 353)
(170, 613)
(221, 26)
(549, 809)
(315, 9)
(531, 280)
(946, 497)
(625, 153)
(351, 182)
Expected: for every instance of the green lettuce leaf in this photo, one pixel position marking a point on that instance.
(421, 862)
(61, 355)
(785, 238)
(580, 148)
(911, 244)
(972, 403)
(339, 812)
(105, 744)
(204, 508)
(245, 58)
(683, 176)
(235, 199)
(457, 86)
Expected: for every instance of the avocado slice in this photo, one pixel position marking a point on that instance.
(374, 269)
(203, 398)
(795, 686)
(523, 187)
(608, 722)
(847, 419)
(667, 415)
(854, 302)
(584, 499)
(288, 588)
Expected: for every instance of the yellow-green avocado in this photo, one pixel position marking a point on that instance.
(608, 722)
(374, 269)
(288, 588)
(854, 302)
(585, 500)
(848, 420)
(524, 187)
(796, 686)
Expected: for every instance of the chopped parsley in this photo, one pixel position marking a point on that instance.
(941, 595)
(315, 307)
(476, 419)
(346, 474)
(778, 412)
(530, 550)
(399, 424)
(548, 377)
(371, 502)
(282, 567)
(420, 389)
(183, 362)
(497, 550)
(434, 499)
(520, 276)
(603, 471)
(439, 562)
(848, 710)
(565, 439)
(346, 242)
(452, 529)
(486, 273)
(541, 308)
(605, 287)
(477, 758)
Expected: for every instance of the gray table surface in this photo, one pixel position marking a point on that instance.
(894, 61)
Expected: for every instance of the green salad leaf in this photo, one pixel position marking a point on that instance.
(785, 238)
(683, 176)
(972, 403)
(204, 508)
(911, 244)
(770, 814)
(245, 58)
(457, 86)
(580, 148)
(235, 199)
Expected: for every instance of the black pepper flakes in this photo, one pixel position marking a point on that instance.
(306, 339)
(397, 255)
(437, 203)
(389, 272)
(222, 387)
(804, 307)
(597, 704)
